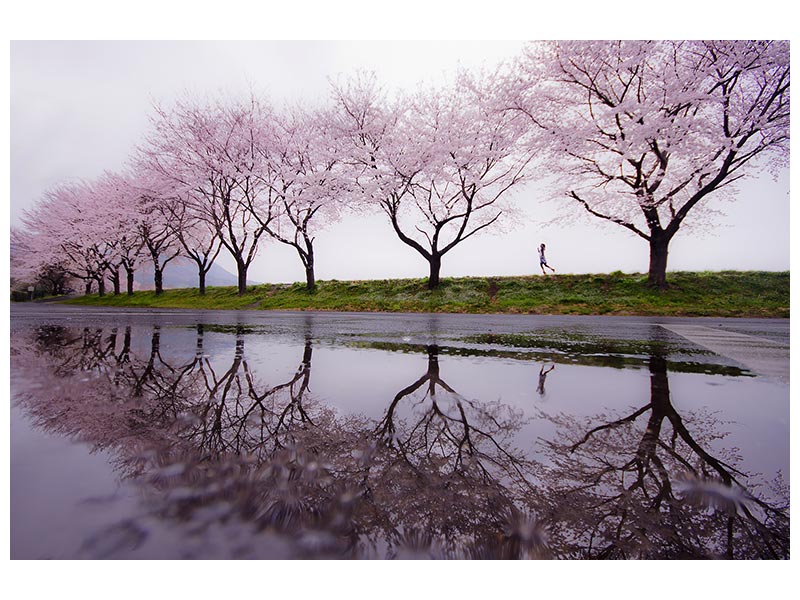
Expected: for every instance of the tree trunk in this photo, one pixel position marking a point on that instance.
(308, 263)
(199, 345)
(101, 286)
(201, 275)
(659, 248)
(660, 403)
(88, 287)
(436, 265)
(241, 269)
(115, 282)
(126, 342)
(155, 344)
(311, 282)
(130, 281)
(158, 279)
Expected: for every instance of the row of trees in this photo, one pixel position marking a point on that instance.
(641, 134)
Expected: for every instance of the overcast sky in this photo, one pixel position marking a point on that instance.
(78, 108)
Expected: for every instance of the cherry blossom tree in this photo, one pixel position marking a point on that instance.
(208, 151)
(645, 134)
(111, 225)
(305, 179)
(134, 218)
(28, 268)
(54, 278)
(198, 239)
(87, 230)
(438, 162)
(157, 230)
(63, 228)
(120, 199)
(186, 231)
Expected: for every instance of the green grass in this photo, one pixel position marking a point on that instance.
(720, 294)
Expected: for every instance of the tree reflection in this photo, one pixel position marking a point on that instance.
(76, 350)
(240, 414)
(220, 452)
(449, 428)
(440, 480)
(626, 490)
(447, 478)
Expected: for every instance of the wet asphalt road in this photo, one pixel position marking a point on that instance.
(761, 345)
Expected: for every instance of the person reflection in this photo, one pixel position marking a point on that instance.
(542, 377)
(646, 485)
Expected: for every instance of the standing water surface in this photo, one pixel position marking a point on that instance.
(176, 434)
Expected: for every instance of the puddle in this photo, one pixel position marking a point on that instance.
(333, 437)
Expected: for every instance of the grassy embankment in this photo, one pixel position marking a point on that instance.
(724, 294)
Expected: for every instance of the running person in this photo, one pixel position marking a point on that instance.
(543, 261)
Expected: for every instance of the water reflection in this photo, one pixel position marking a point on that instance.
(232, 460)
(543, 378)
(644, 484)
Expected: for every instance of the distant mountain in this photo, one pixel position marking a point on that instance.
(184, 275)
